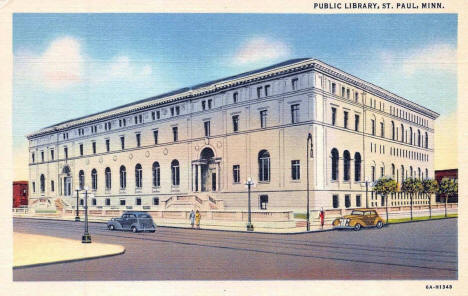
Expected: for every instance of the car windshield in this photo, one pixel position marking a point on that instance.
(357, 213)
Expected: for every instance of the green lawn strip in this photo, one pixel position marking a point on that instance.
(421, 218)
(300, 216)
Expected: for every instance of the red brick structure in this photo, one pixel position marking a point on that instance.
(20, 193)
(450, 173)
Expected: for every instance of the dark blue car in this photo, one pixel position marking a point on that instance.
(133, 221)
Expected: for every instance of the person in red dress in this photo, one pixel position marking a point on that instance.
(322, 217)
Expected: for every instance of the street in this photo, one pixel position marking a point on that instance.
(422, 250)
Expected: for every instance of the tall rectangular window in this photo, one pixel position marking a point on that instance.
(259, 92)
(335, 201)
(235, 123)
(155, 135)
(373, 174)
(263, 202)
(172, 111)
(333, 109)
(294, 83)
(345, 119)
(107, 145)
(158, 114)
(155, 201)
(81, 149)
(153, 115)
(52, 154)
(65, 150)
(34, 186)
(206, 124)
(52, 185)
(94, 147)
(263, 118)
(42, 156)
(122, 142)
(347, 200)
(267, 90)
(356, 122)
(358, 201)
(333, 88)
(236, 173)
(295, 170)
(177, 110)
(382, 130)
(373, 126)
(343, 91)
(138, 140)
(210, 103)
(295, 113)
(235, 97)
(32, 157)
(175, 133)
(107, 201)
(203, 105)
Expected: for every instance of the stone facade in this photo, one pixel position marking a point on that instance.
(213, 136)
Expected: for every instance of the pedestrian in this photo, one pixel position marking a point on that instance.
(192, 218)
(197, 219)
(322, 217)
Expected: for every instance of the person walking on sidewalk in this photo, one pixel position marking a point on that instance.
(322, 217)
(197, 219)
(192, 218)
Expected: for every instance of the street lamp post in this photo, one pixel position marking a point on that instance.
(77, 217)
(86, 238)
(309, 138)
(366, 183)
(249, 183)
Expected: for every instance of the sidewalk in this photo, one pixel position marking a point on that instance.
(32, 250)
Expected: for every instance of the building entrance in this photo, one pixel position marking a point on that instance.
(208, 170)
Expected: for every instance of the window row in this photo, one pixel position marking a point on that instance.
(345, 119)
(403, 135)
(335, 157)
(401, 174)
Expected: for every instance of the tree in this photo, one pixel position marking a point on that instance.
(385, 186)
(448, 187)
(430, 186)
(411, 186)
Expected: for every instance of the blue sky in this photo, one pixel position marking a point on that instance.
(69, 65)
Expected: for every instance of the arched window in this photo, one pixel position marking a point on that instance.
(402, 133)
(81, 179)
(335, 157)
(426, 140)
(411, 135)
(94, 179)
(108, 175)
(42, 183)
(411, 171)
(123, 177)
(393, 130)
(156, 174)
(264, 166)
(346, 165)
(393, 171)
(138, 176)
(402, 174)
(427, 174)
(419, 138)
(357, 167)
(419, 173)
(175, 170)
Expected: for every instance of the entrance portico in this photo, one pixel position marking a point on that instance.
(206, 172)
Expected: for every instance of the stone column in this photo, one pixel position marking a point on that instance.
(193, 177)
(199, 178)
(218, 174)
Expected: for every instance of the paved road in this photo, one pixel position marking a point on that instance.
(404, 251)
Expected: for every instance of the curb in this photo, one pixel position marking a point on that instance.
(69, 260)
(244, 231)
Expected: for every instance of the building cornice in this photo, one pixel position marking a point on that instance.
(224, 84)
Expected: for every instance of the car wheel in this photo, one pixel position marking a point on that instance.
(379, 224)
(153, 230)
(357, 227)
(134, 229)
(111, 227)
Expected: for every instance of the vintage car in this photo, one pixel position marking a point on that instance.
(359, 218)
(133, 221)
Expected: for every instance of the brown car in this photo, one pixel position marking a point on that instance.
(359, 218)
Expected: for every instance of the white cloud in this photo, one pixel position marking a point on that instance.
(64, 64)
(120, 68)
(261, 49)
(60, 66)
(435, 57)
